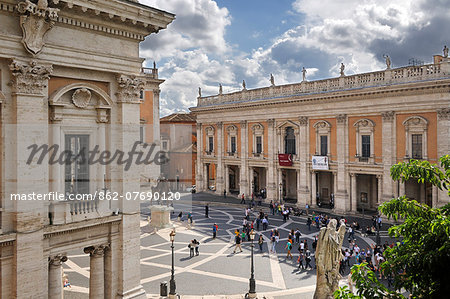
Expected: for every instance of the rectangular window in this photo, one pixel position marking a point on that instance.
(77, 167)
(365, 146)
(323, 145)
(258, 144)
(416, 146)
(141, 134)
(233, 144)
(211, 144)
(164, 145)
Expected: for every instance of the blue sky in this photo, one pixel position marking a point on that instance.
(227, 41)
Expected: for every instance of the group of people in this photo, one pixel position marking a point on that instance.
(193, 246)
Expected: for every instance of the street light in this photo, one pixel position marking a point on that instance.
(377, 224)
(172, 292)
(281, 194)
(252, 291)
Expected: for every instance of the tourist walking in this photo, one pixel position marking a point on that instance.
(289, 248)
(300, 260)
(197, 244)
(308, 223)
(297, 236)
(237, 240)
(207, 211)
(308, 259)
(265, 223)
(261, 242)
(215, 228)
(243, 199)
(191, 247)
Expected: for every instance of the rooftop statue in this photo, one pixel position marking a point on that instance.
(342, 69)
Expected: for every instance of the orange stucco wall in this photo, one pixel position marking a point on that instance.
(312, 137)
(377, 135)
(57, 82)
(431, 134)
(146, 114)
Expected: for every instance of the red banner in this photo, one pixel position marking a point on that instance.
(285, 159)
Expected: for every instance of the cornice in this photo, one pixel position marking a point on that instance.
(403, 90)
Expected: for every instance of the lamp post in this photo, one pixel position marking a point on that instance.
(172, 292)
(281, 193)
(377, 224)
(252, 291)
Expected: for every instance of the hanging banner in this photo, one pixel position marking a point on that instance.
(320, 162)
(285, 159)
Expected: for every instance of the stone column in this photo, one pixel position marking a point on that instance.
(389, 154)
(102, 119)
(219, 170)
(271, 171)
(55, 287)
(302, 185)
(353, 195)
(227, 179)
(402, 188)
(342, 202)
(127, 122)
(96, 271)
(199, 176)
(379, 189)
(335, 183)
(251, 181)
(243, 184)
(443, 147)
(313, 188)
(29, 110)
(205, 177)
(56, 118)
(156, 124)
(279, 185)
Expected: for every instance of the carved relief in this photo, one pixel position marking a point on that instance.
(29, 78)
(81, 97)
(258, 128)
(341, 118)
(129, 89)
(36, 20)
(243, 124)
(388, 115)
(303, 120)
(444, 113)
(232, 129)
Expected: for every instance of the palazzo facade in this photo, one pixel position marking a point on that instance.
(330, 142)
(71, 78)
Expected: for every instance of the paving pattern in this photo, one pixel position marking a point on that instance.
(216, 271)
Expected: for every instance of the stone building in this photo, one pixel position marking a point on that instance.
(329, 141)
(71, 78)
(178, 138)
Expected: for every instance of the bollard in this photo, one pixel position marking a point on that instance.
(163, 289)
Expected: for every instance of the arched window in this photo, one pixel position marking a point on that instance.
(365, 140)
(289, 141)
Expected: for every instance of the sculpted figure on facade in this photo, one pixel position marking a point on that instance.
(328, 257)
(243, 85)
(272, 80)
(388, 61)
(342, 69)
(220, 89)
(304, 73)
(445, 52)
(199, 92)
(36, 20)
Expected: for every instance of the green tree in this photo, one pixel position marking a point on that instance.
(420, 262)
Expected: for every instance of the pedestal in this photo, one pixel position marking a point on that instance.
(160, 216)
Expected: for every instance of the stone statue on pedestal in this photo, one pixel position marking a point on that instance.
(304, 73)
(328, 255)
(342, 69)
(445, 52)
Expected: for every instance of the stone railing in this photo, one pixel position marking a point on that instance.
(68, 211)
(380, 78)
(150, 72)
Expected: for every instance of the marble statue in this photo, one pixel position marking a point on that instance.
(388, 61)
(445, 52)
(272, 80)
(199, 92)
(342, 69)
(328, 255)
(243, 85)
(304, 73)
(220, 89)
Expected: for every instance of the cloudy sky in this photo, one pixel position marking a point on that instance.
(227, 41)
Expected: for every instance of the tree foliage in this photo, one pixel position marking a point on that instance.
(419, 262)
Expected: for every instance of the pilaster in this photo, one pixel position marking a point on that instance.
(389, 154)
(342, 202)
(219, 170)
(271, 181)
(243, 184)
(199, 175)
(443, 147)
(302, 185)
